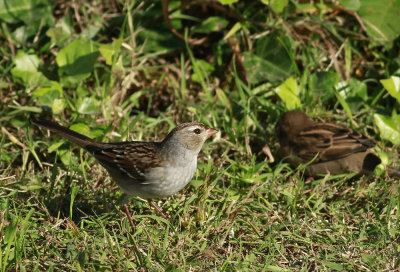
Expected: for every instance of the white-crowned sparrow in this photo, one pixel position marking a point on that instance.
(146, 169)
(335, 149)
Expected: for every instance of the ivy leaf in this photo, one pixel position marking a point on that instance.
(60, 33)
(276, 5)
(76, 60)
(26, 69)
(392, 85)
(228, 2)
(88, 105)
(288, 91)
(381, 19)
(34, 13)
(389, 127)
(81, 128)
(108, 51)
(51, 96)
(272, 61)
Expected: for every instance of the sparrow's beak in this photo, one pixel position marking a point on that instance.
(211, 132)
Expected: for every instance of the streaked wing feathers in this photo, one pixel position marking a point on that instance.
(133, 159)
(330, 141)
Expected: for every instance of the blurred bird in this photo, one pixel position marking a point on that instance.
(330, 148)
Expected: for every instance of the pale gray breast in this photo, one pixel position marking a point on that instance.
(168, 180)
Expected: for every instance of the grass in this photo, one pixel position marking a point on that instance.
(239, 213)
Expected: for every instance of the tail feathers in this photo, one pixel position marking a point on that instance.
(71, 135)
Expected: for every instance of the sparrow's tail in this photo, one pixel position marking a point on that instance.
(73, 136)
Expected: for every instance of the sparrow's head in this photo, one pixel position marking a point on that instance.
(292, 122)
(190, 135)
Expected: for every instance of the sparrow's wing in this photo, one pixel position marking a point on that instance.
(131, 159)
(330, 141)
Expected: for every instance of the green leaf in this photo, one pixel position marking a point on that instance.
(381, 19)
(271, 62)
(48, 99)
(312, 7)
(26, 69)
(354, 92)
(232, 194)
(76, 60)
(54, 146)
(227, 2)
(369, 259)
(58, 105)
(92, 29)
(276, 5)
(85, 130)
(81, 128)
(26, 108)
(27, 61)
(223, 98)
(160, 40)
(392, 85)
(22, 34)
(322, 84)
(236, 27)
(82, 91)
(353, 5)
(74, 193)
(345, 106)
(274, 268)
(61, 33)
(352, 88)
(260, 70)
(95, 133)
(196, 183)
(88, 105)
(10, 232)
(332, 265)
(389, 127)
(108, 51)
(289, 93)
(34, 13)
(205, 67)
(134, 98)
(51, 97)
(67, 157)
(211, 24)
(54, 86)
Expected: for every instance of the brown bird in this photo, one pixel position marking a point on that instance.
(330, 148)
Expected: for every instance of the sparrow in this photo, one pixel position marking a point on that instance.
(145, 169)
(328, 148)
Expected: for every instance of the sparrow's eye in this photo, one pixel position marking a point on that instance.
(197, 131)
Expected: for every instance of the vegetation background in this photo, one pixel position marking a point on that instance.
(122, 70)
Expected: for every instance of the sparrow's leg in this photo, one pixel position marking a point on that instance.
(128, 214)
(122, 201)
(158, 210)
